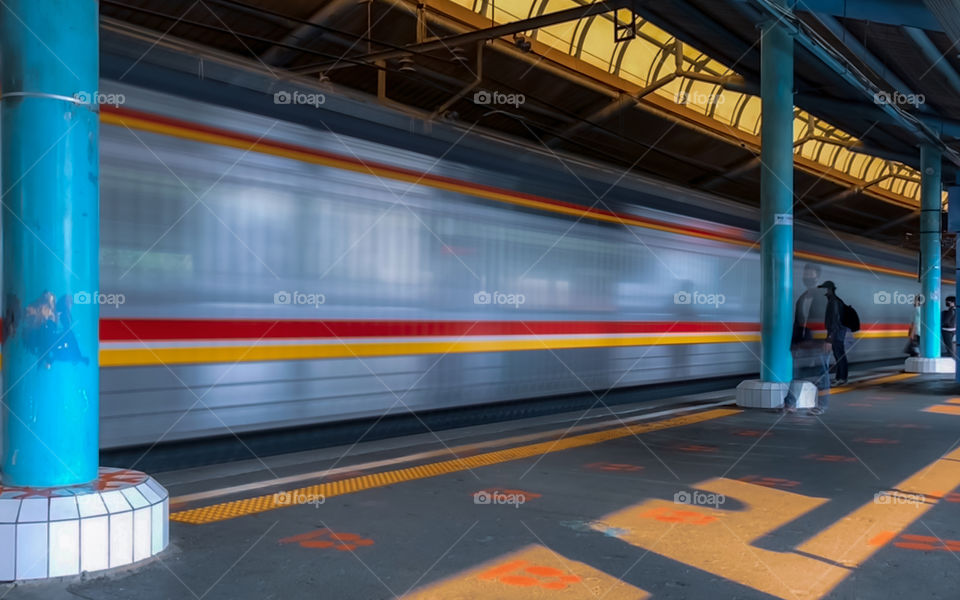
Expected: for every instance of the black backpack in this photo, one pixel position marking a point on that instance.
(849, 317)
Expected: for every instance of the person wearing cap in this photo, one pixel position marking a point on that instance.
(836, 332)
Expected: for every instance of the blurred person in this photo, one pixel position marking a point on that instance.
(948, 327)
(913, 335)
(836, 330)
(811, 357)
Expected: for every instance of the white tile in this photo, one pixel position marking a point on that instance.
(31, 550)
(148, 493)
(157, 524)
(115, 501)
(135, 498)
(141, 533)
(33, 510)
(94, 544)
(91, 505)
(156, 487)
(166, 521)
(9, 509)
(64, 548)
(63, 508)
(8, 554)
(121, 539)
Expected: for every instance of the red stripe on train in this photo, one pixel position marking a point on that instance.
(128, 330)
(115, 330)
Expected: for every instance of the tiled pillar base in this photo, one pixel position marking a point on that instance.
(916, 364)
(120, 518)
(754, 393)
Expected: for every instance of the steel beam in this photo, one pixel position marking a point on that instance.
(888, 12)
(937, 60)
(498, 31)
(836, 62)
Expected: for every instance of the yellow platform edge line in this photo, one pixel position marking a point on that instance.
(258, 504)
(871, 382)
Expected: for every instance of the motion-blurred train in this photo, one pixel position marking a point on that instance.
(258, 274)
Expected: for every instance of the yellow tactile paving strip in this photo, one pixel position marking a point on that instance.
(258, 504)
(870, 382)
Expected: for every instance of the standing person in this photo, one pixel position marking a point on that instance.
(948, 326)
(836, 331)
(810, 357)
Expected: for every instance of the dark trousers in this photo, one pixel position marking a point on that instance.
(949, 340)
(840, 355)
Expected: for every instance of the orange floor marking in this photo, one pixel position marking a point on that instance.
(325, 538)
(753, 433)
(504, 494)
(926, 543)
(837, 458)
(248, 506)
(673, 515)
(953, 401)
(604, 466)
(694, 448)
(776, 482)
(883, 538)
(532, 573)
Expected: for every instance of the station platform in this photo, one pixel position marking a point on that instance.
(687, 499)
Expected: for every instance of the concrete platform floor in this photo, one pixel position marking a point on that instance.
(707, 502)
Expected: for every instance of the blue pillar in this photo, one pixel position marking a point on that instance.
(930, 202)
(49, 168)
(776, 202)
(953, 203)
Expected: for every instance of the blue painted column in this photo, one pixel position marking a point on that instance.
(49, 168)
(930, 208)
(776, 202)
(953, 203)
